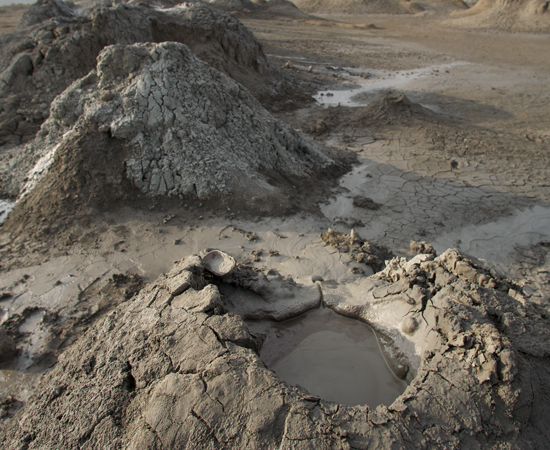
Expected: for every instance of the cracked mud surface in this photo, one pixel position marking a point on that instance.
(464, 164)
(168, 369)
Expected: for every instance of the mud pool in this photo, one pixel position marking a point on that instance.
(333, 357)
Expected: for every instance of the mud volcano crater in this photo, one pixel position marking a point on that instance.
(197, 376)
(333, 357)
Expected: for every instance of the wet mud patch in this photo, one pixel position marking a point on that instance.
(23, 356)
(333, 357)
(32, 341)
(364, 86)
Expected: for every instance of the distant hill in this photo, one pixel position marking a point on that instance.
(377, 6)
(516, 15)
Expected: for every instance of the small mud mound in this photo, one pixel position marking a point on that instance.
(234, 5)
(391, 108)
(282, 8)
(422, 248)
(55, 46)
(170, 369)
(153, 120)
(517, 15)
(388, 110)
(444, 5)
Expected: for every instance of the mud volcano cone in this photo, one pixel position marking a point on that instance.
(57, 43)
(153, 120)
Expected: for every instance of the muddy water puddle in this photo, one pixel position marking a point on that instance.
(367, 84)
(333, 357)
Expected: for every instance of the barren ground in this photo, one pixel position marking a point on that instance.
(477, 180)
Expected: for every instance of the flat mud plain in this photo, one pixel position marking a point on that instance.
(476, 180)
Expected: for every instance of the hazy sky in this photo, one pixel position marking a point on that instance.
(9, 2)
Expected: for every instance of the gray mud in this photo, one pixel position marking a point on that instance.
(333, 357)
(169, 369)
(5, 207)
(98, 360)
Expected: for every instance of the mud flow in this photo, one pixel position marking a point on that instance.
(333, 357)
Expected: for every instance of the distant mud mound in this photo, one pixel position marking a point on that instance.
(153, 120)
(393, 107)
(55, 46)
(359, 6)
(261, 8)
(387, 110)
(445, 5)
(171, 369)
(516, 15)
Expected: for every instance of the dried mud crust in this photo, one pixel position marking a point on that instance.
(270, 295)
(518, 158)
(170, 369)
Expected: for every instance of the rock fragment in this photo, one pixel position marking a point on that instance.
(366, 203)
(422, 248)
(361, 251)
